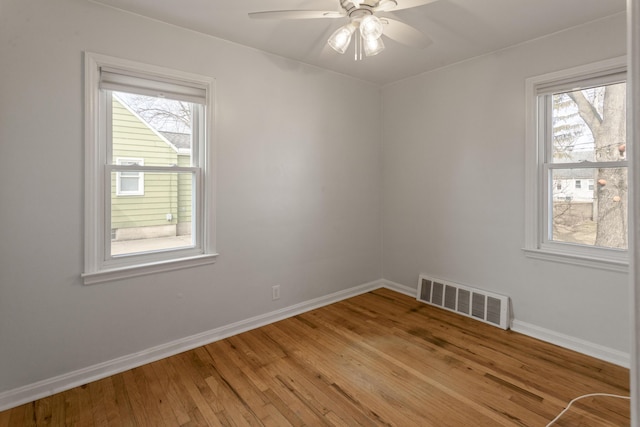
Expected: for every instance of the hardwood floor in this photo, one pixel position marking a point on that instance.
(378, 359)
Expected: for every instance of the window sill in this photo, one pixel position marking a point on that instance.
(619, 265)
(144, 269)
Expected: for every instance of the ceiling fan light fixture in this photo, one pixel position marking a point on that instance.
(340, 39)
(371, 27)
(373, 46)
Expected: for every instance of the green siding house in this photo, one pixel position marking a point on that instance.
(148, 205)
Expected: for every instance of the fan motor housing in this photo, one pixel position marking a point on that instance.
(365, 8)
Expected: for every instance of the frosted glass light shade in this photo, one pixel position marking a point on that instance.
(370, 28)
(341, 38)
(373, 47)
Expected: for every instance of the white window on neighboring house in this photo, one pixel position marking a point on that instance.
(149, 169)
(576, 131)
(129, 183)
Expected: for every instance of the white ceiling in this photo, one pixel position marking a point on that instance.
(460, 29)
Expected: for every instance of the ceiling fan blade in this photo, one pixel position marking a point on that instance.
(296, 14)
(407, 4)
(405, 34)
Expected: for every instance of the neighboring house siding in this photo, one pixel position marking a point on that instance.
(134, 139)
(569, 190)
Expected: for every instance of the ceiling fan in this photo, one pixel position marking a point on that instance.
(363, 22)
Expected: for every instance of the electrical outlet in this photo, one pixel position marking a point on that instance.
(275, 292)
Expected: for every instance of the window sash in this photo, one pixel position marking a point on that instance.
(548, 200)
(162, 254)
(198, 131)
(142, 168)
(588, 165)
(545, 130)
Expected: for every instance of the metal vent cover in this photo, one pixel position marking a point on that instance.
(476, 303)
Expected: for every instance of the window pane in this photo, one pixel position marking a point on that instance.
(577, 117)
(595, 216)
(158, 220)
(157, 130)
(129, 184)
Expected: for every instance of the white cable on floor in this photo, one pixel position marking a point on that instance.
(582, 397)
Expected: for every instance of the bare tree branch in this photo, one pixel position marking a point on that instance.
(587, 111)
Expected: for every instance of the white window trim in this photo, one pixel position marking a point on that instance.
(535, 246)
(140, 190)
(98, 268)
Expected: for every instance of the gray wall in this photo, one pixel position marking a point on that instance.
(454, 138)
(298, 190)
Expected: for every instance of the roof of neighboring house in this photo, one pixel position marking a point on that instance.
(180, 140)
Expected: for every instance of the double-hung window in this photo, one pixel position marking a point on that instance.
(149, 175)
(576, 133)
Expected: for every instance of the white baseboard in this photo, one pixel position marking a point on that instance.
(409, 291)
(581, 346)
(28, 393)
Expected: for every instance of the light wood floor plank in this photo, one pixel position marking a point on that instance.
(4, 418)
(378, 359)
(98, 396)
(43, 411)
(170, 395)
(17, 415)
(198, 391)
(144, 412)
(184, 404)
(158, 394)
